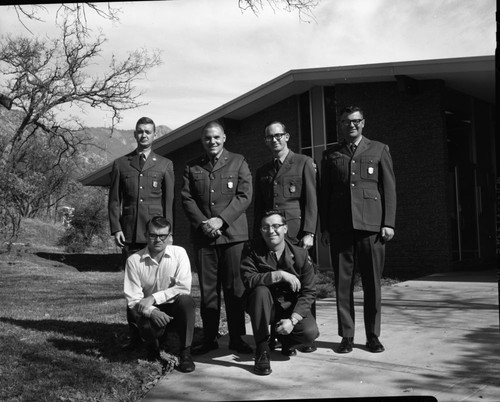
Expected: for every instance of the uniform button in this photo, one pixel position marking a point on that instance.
(353, 172)
(212, 191)
(140, 175)
(141, 200)
(212, 203)
(275, 194)
(141, 187)
(353, 161)
(276, 206)
(275, 183)
(352, 184)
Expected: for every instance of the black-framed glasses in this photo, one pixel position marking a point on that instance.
(275, 227)
(276, 137)
(356, 122)
(154, 236)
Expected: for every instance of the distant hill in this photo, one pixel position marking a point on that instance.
(120, 142)
(106, 146)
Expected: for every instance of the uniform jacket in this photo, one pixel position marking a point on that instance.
(357, 191)
(292, 190)
(257, 266)
(135, 196)
(223, 191)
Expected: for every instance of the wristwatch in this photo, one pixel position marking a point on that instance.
(294, 321)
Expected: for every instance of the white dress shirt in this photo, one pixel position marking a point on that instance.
(164, 281)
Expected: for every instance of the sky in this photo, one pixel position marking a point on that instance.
(213, 52)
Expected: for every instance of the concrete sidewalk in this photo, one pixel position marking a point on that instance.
(441, 335)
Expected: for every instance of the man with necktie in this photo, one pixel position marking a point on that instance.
(358, 214)
(142, 186)
(288, 184)
(216, 192)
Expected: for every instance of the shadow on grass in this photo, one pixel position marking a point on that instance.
(93, 339)
(86, 262)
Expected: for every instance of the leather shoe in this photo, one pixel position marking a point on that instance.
(262, 364)
(288, 351)
(308, 348)
(274, 344)
(205, 348)
(374, 345)
(186, 364)
(240, 346)
(345, 345)
(153, 354)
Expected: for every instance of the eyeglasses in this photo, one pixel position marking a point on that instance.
(154, 236)
(276, 137)
(356, 123)
(275, 227)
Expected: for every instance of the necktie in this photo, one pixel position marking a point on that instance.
(142, 160)
(352, 147)
(277, 164)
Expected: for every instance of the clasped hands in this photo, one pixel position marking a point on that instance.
(211, 227)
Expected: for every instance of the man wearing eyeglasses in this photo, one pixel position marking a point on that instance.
(157, 287)
(288, 183)
(280, 280)
(358, 213)
(142, 186)
(216, 192)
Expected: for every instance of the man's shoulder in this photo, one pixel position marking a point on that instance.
(126, 157)
(160, 158)
(373, 143)
(176, 250)
(198, 160)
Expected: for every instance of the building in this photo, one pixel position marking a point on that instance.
(438, 118)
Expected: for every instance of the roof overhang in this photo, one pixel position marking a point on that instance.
(474, 76)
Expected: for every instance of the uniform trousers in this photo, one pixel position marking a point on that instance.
(265, 311)
(182, 309)
(366, 252)
(219, 268)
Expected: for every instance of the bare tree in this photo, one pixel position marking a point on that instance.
(303, 7)
(38, 78)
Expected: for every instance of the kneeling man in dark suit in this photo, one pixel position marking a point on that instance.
(280, 281)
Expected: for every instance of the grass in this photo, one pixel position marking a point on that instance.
(63, 320)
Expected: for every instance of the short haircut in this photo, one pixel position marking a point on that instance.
(158, 222)
(211, 124)
(274, 122)
(271, 212)
(351, 110)
(145, 120)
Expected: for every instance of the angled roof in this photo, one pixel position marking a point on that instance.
(474, 76)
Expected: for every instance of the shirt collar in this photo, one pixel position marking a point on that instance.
(146, 152)
(283, 157)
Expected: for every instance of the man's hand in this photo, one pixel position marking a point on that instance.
(284, 327)
(211, 227)
(307, 241)
(325, 238)
(160, 319)
(119, 239)
(144, 304)
(291, 279)
(387, 233)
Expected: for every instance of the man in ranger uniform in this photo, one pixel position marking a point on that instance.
(288, 183)
(358, 213)
(142, 186)
(216, 191)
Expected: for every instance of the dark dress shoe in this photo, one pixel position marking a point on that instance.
(274, 344)
(205, 348)
(153, 355)
(374, 345)
(345, 345)
(308, 348)
(262, 364)
(288, 351)
(186, 364)
(240, 346)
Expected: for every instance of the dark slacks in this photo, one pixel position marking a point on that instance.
(219, 268)
(183, 312)
(365, 251)
(264, 312)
